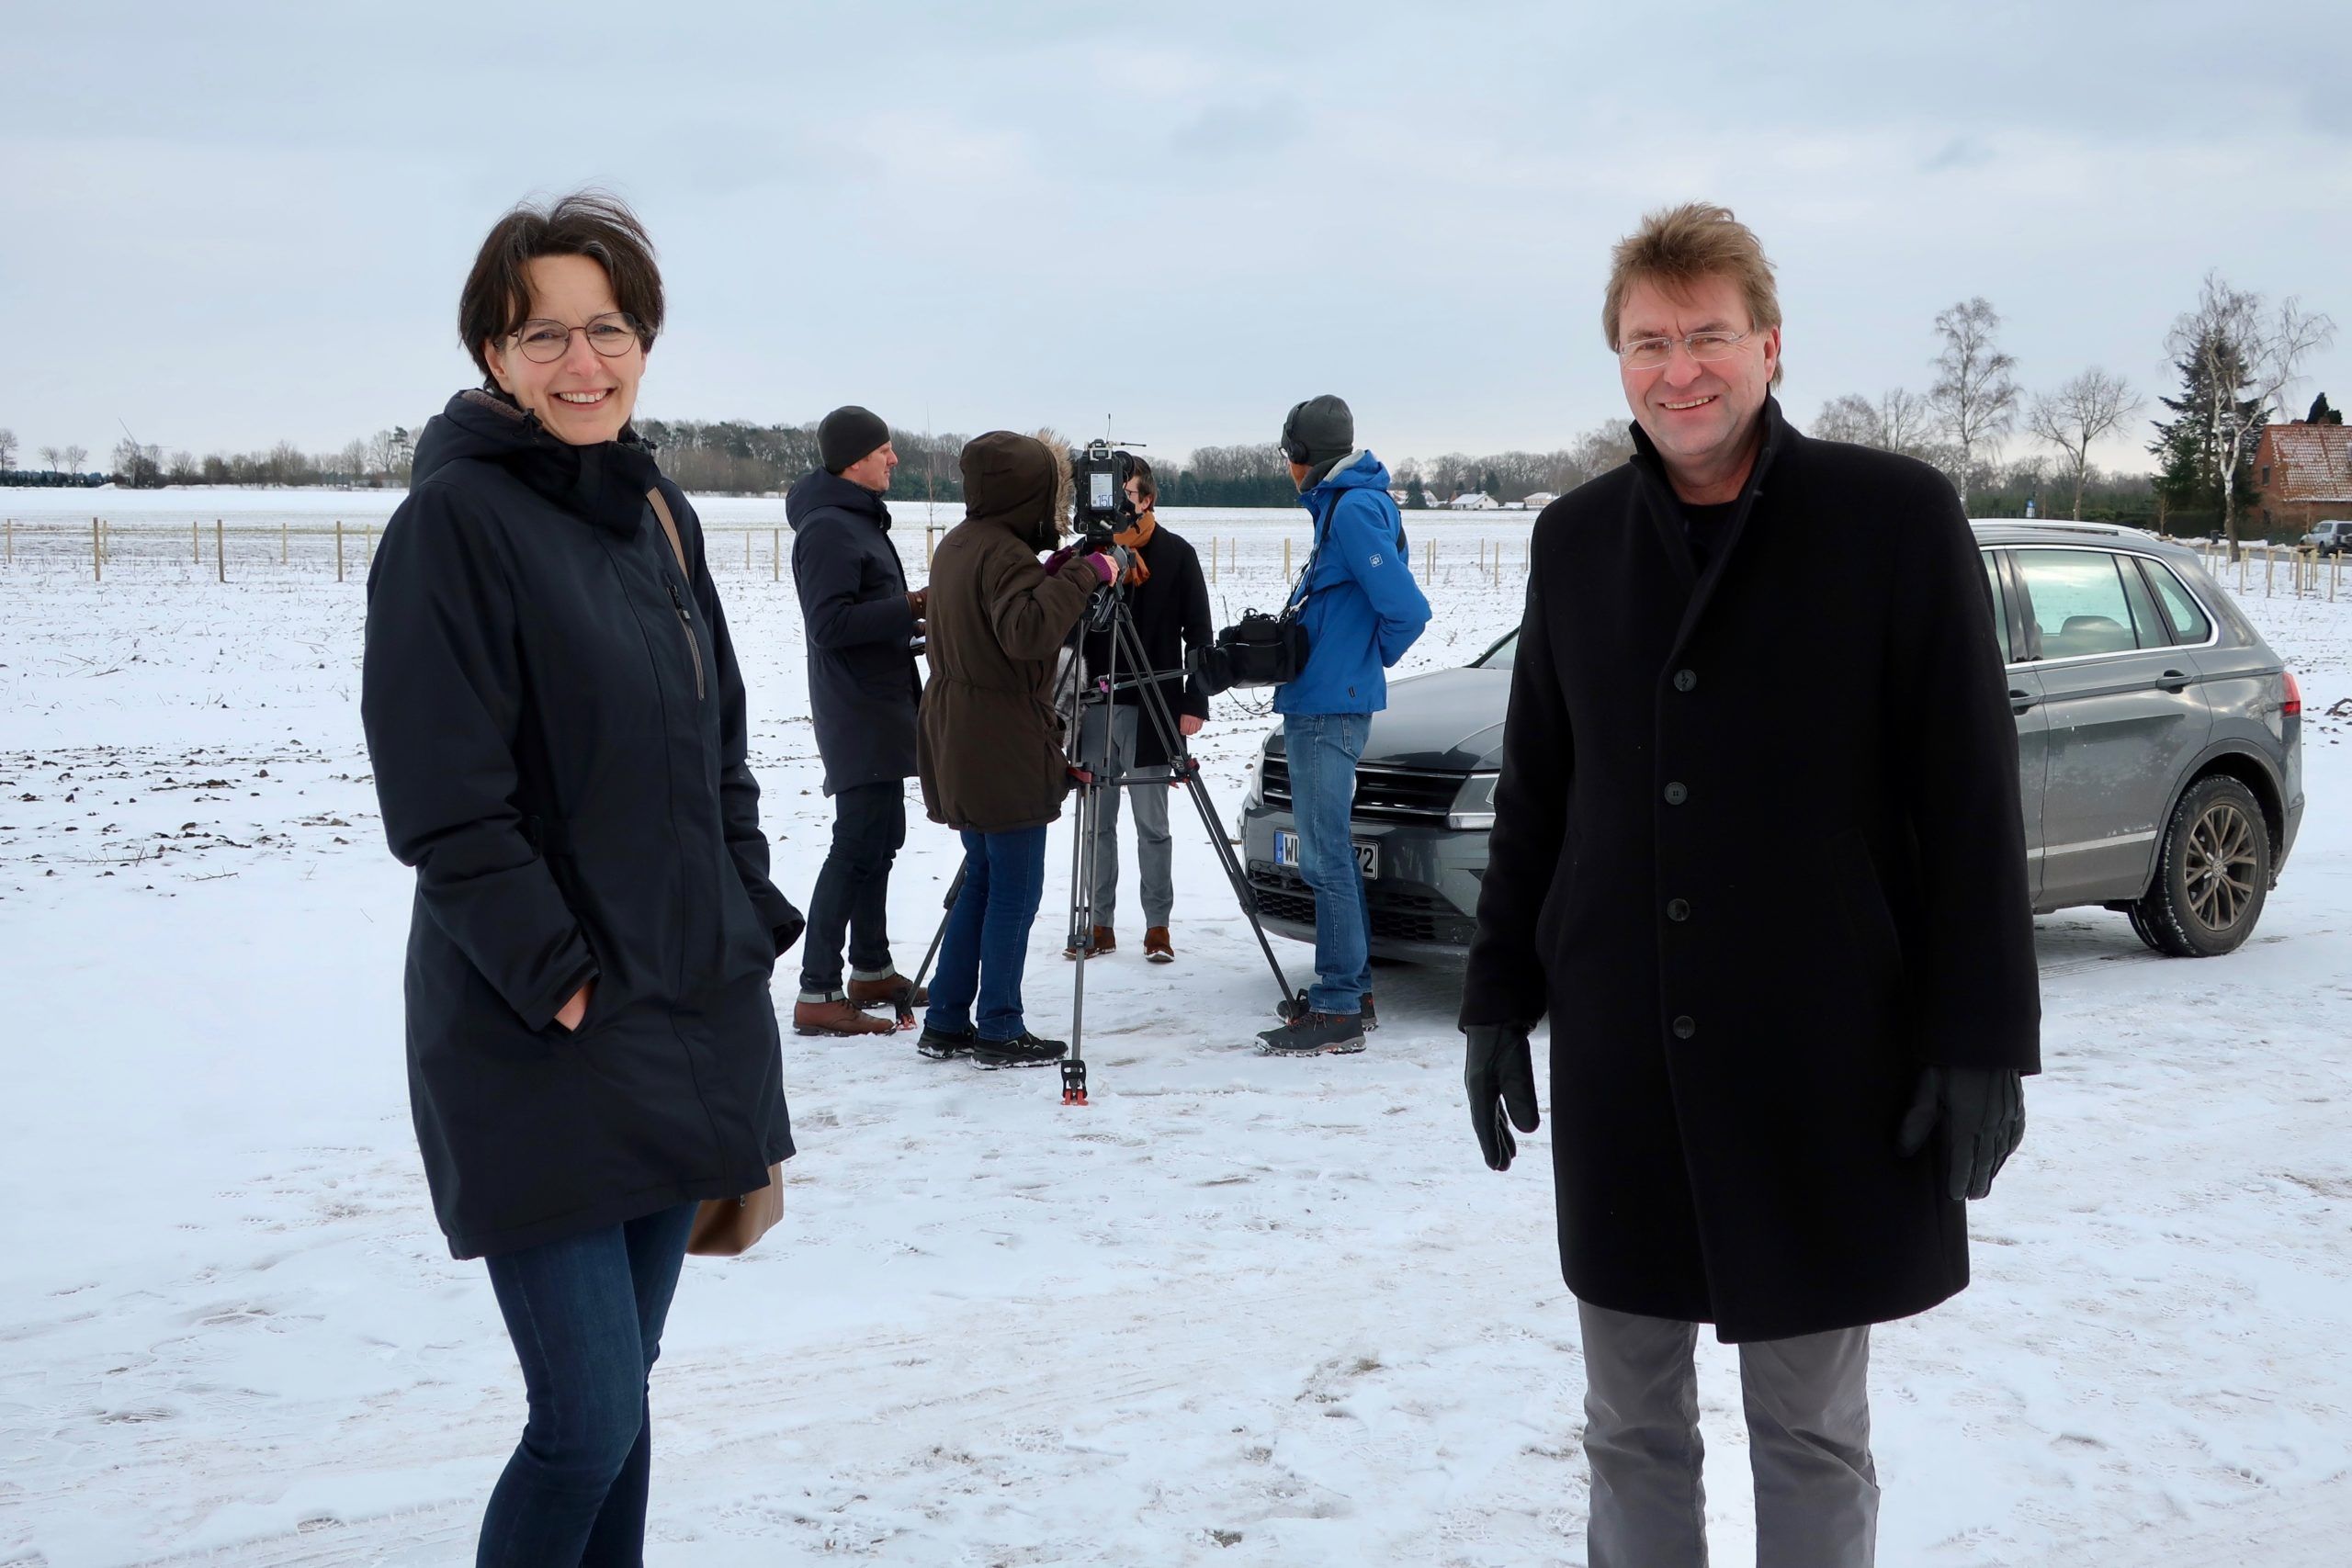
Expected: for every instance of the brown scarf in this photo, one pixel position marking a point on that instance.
(1135, 539)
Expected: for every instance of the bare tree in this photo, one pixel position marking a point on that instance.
(2091, 405)
(50, 457)
(8, 449)
(1848, 417)
(2251, 355)
(73, 458)
(1975, 397)
(1905, 419)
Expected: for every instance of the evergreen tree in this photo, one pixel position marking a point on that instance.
(1417, 495)
(2187, 451)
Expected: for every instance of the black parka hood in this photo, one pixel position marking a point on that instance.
(816, 490)
(604, 483)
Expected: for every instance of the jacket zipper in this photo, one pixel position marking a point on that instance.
(694, 643)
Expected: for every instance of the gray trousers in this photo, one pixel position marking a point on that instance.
(1153, 849)
(1808, 1440)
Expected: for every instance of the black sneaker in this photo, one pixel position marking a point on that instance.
(1024, 1050)
(1313, 1035)
(942, 1046)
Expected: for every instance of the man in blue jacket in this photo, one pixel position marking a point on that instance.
(860, 621)
(1362, 611)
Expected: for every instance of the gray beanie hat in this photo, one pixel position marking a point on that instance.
(848, 433)
(1318, 431)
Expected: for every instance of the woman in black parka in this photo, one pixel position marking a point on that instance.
(557, 725)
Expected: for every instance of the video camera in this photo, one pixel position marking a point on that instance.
(1100, 474)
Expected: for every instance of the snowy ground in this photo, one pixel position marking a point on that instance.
(1239, 1311)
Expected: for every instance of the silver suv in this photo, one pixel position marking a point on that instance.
(2159, 757)
(2330, 537)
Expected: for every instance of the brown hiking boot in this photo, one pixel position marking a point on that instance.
(1105, 940)
(837, 1017)
(1155, 947)
(891, 991)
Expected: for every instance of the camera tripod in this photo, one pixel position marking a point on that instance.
(1074, 695)
(1081, 692)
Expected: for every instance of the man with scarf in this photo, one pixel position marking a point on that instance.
(1170, 600)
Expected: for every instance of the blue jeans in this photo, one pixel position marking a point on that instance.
(987, 944)
(1322, 749)
(586, 1313)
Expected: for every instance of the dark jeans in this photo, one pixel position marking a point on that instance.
(586, 1313)
(1322, 749)
(987, 944)
(854, 888)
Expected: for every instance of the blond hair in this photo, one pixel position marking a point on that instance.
(1678, 246)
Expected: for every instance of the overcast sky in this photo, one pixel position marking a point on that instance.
(230, 224)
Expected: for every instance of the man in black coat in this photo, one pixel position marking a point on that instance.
(861, 623)
(1758, 852)
(1169, 599)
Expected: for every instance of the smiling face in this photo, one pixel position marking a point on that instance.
(1702, 417)
(583, 397)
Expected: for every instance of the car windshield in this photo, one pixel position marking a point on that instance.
(1499, 657)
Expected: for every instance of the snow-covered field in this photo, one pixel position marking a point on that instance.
(1238, 1311)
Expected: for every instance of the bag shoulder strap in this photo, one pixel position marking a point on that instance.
(669, 527)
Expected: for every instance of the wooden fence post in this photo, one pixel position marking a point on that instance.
(2269, 559)
(12, 541)
(1285, 558)
(195, 542)
(366, 544)
(928, 531)
(281, 541)
(98, 563)
(219, 550)
(338, 549)
(747, 549)
(775, 548)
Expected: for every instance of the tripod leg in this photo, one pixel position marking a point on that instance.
(1155, 704)
(955, 890)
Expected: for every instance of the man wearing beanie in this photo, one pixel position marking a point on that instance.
(1362, 611)
(860, 623)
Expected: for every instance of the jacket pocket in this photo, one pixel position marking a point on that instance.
(1862, 900)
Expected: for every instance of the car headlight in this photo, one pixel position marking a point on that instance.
(1255, 794)
(1474, 807)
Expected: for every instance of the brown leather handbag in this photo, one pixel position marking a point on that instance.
(724, 1227)
(727, 1227)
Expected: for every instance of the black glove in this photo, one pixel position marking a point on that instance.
(1982, 1110)
(1500, 1072)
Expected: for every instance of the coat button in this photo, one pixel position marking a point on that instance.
(1685, 679)
(1676, 795)
(1684, 1027)
(1678, 909)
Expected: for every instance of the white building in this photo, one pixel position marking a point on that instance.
(1473, 501)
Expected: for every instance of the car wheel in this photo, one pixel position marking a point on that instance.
(2212, 875)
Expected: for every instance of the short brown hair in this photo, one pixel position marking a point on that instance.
(589, 223)
(1146, 486)
(1679, 245)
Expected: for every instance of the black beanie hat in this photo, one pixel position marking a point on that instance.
(848, 433)
(1319, 430)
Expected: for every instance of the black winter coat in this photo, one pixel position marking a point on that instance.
(556, 730)
(1171, 614)
(862, 686)
(1757, 852)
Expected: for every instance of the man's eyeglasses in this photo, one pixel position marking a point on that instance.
(1650, 352)
(611, 334)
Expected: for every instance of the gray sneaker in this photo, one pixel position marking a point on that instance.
(1313, 1035)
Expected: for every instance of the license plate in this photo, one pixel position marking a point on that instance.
(1367, 853)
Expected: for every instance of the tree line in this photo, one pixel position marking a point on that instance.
(2235, 352)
